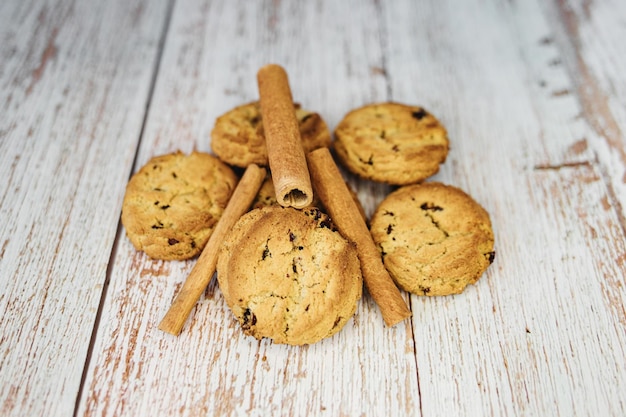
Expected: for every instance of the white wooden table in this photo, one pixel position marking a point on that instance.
(533, 94)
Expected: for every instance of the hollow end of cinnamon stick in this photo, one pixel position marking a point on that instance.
(202, 272)
(332, 190)
(296, 198)
(286, 156)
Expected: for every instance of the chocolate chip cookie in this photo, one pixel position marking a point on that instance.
(289, 275)
(173, 202)
(391, 142)
(434, 238)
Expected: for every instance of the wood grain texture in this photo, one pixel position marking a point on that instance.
(543, 332)
(590, 35)
(209, 65)
(532, 94)
(74, 82)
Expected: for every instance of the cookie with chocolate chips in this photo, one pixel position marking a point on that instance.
(289, 275)
(434, 238)
(173, 202)
(238, 137)
(391, 143)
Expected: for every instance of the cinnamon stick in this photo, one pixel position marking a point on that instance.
(287, 160)
(203, 270)
(332, 190)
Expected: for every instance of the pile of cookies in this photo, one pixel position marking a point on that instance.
(295, 275)
(434, 238)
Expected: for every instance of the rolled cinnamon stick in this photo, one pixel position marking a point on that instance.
(287, 160)
(332, 190)
(203, 270)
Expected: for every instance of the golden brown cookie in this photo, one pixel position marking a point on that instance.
(238, 138)
(288, 275)
(391, 143)
(172, 203)
(434, 238)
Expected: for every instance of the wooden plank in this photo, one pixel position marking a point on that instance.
(74, 81)
(543, 332)
(209, 66)
(591, 37)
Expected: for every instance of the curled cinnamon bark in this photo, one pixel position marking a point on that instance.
(287, 160)
(332, 190)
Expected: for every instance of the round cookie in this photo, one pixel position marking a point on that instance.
(391, 143)
(238, 137)
(288, 275)
(434, 238)
(173, 202)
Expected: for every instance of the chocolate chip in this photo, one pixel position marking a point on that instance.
(431, 207)
(249, 320)
(292, 237)
(389, 229)
(174, 175)
(316, 213)
(490, 256)
(165, 207)
(172, 241)
(266, 253)
(325, 224)
(420, 114)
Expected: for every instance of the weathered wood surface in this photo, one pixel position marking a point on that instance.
(74, 82)
(532, 94)
(588, 36)
(544, 333)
